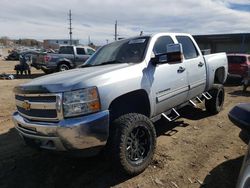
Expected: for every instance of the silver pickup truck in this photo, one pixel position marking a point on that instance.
(68, 57)
(116, 96)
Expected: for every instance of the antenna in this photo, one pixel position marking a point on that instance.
(70, 27)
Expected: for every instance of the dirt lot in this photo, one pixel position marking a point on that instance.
(196, 149)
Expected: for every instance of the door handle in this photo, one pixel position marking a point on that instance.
(181, 69)
(200, 64)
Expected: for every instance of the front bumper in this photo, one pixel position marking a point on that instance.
(69, 134)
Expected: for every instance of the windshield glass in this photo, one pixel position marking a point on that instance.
(123, 51)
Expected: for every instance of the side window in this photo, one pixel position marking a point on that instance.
(66, 50)
(80, 51)
(161, 44)
(90, 51)
(189, 49)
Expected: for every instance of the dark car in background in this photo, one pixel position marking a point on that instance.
(13, 56)
(240, 116)
(238, 65)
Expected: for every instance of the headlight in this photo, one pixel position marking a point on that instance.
(81, 102)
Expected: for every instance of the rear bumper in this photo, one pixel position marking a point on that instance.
(234, 75)
(78, 133)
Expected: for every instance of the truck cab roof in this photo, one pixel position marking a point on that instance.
(76, 46)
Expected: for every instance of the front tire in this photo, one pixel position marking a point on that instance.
(133, 142)
(214, 105)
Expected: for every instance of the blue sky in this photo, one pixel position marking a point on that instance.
(240, 7)
(95, 18)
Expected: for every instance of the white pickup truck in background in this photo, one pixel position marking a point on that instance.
(116, 96)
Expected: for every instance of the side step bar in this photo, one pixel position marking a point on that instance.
(172, 116)
(207, 96)
(193, 103)
(197, 99)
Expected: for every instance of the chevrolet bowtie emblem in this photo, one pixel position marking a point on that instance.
(26, 105)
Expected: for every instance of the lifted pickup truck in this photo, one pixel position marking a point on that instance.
(116, 96)
(67, 58)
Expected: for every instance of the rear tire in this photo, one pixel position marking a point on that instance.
(132, 143)
(47, 71)
(214, 105)
(63, 67)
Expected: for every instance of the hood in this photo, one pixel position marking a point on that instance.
(67, 80)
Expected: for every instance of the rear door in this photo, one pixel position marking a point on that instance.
(67, 52)
(81, 56)
(169, 81)
(196, 68)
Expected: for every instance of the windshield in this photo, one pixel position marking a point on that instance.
(123, 51)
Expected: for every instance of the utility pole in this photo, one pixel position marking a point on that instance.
(116, 30)
(89, 41)
(70, 27)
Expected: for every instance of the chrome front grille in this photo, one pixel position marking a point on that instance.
(39, 107)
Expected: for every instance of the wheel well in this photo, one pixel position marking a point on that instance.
(219, 75)
(132, 102)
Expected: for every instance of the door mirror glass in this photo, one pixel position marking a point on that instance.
(173, 55)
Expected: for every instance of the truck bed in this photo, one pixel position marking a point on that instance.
(213, 62)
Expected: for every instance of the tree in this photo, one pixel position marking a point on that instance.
(4, 41)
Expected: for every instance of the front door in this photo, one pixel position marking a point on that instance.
(169, 81)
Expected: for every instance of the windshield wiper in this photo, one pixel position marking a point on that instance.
(104, 63)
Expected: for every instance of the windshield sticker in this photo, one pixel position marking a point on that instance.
(137, 41)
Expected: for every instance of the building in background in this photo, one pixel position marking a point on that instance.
(55, 43)
(229, 43)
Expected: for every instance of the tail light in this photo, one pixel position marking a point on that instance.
(47, 58)
(244, 66)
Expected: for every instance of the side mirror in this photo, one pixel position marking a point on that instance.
(173, 55)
